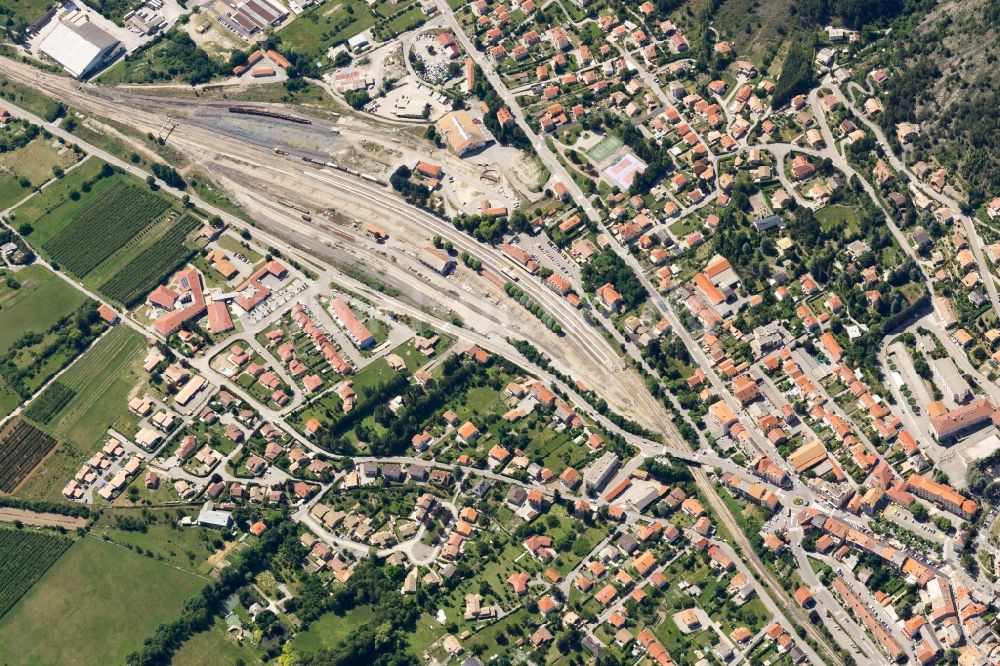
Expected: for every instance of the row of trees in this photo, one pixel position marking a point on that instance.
(64, 340)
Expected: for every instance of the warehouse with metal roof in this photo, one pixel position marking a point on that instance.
(81, 48)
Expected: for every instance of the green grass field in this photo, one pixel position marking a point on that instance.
(102, 379)
(604, 148)
(50, 211)
(11, 190)
(839, 219)
(9, 399)
(94, 606)
(413, 359)
(378, 328)
(41, 301)
(326, 25)
(405, 21)
(235, 246)
(214, 647)
(184, 547)
(330, 629)
(35, 160)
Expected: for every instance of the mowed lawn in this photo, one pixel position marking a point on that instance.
(214, 647)
(94, 606)
(839, 219)
(330, 629)
(102, 378)
(40, 302)
(11, 190)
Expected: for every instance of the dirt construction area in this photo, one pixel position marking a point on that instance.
(8, 515)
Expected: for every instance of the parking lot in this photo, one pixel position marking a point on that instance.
(276, 302)
(548, 254)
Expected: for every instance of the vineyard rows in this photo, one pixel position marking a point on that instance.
(119, 216)
(142, 274)
(52, 401)
(22, 447)
(26, 556)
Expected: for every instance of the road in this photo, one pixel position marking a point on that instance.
(246, 165)
(843, 627)
(624, 390)
(975, 241)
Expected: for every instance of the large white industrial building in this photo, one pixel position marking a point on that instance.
(80, 47)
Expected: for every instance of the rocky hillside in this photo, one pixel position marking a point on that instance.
(947, 81)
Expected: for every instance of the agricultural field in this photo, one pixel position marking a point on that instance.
(111, 220)
(107, 600)
(26, 556)
(165, 255)
(54, 208)
(102, 380)
(22, 447)
(52, 401)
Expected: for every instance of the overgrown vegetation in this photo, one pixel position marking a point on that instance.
(609, 267)
(796, 74)
(171, 56)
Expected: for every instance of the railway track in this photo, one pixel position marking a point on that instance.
(110, 105)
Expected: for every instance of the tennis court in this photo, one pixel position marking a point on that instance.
(604, 148)
(624, 169)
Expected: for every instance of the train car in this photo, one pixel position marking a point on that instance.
(251, 111)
